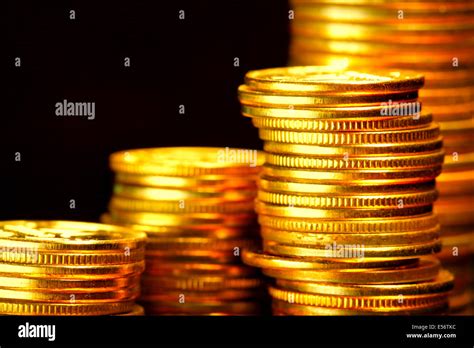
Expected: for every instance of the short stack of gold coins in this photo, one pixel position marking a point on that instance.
(346, 192)
(435, 38)
(196, 205)
(69, 268)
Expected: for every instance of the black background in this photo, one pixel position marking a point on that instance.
(247, 331)
(173, 62)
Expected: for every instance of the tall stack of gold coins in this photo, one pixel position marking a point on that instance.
(69, 268)
(435, 38)
(346, 192)
(197, 207)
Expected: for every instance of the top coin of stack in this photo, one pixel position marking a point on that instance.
(347, 190)
(69, 268)
(197, 207)
(435, 38)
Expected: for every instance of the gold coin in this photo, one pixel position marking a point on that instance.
(455, 210)
(32, 256)
(427, 269)
(159, 194)
(252, 97)
(462, 238)
(340, 49)
(381, 12)
(182, 243)
(208, 308)
(183, 268)
(76, 309)
(384, 33)
(72, 272)
(207, 205)
(456, 134)
(455, 183)
(356, 114)
(67, 285)
(283, 120)
(206, 183)
(450, 77)
(462, 142)
(199, 296)
(312, 213)
(374, 303)
(124, 294)
(182, 220)
(188, 161)
(455, 126)
(468, 311)
(68, 235)
(459, 119)
(299, 56)
(368, 239)
(439, 96)
(457, 247)
(215, 231)
(459, 145)
(198, 283)
(364, 178)
(137, 310)
(351, 201)
(319, 79)
(354, 226)
(452, 113)
(285, 308)
(420, 160)
(195, 255)
(422, 5)
(441, 284)
(372, 49)
(267, 261)
(353, 138)
(334, 250)
(290, 187)
(458, 302)
(348, 151)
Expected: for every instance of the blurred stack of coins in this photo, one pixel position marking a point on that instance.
(435, 38)
(69, 268)
(197, 207)
(346, 192)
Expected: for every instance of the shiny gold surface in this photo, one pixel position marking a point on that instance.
(67, 235)
(330, 79)
(69, 268)
(196, 206)
(433, 38)
(346, 194)
(187, 162)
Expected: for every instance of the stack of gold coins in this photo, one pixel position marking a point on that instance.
(69, 268)
(197, 207)
(435, 38)
(347, 190)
